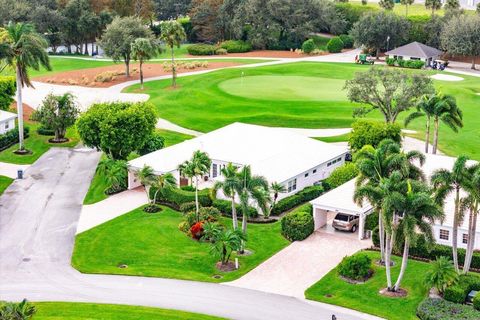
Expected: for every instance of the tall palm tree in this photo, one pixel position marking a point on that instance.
(21, 48)
(276, 189)
(147, 178)
(471, 202)
(163, 182)
(172, 33)
(425, 108)
(196, 167)
(231, 186)
(143, 49)
(446, 182)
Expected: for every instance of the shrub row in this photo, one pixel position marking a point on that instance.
(225, 208)
(45, 131)
(7, 91)
(412, 64)
(229, 46)
(201, 49)
(439, 309)
(298, 224)
(176, 197)
(11, 137)
(307, 194)
(236, 46)
(458, 292)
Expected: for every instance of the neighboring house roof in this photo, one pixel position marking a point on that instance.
(6, 116)
(415, 49)
(278, 154)
(341, 199)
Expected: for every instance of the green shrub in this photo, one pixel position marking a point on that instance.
(342, 175)
(177, 197)
(375, 237)
(153, 143)
(188, 207)
(455, 294)
(391, 61)
(9, 138)
(201, 49)
(225, 207)
(188, 188)
(371, 221)
(347, 41)
(308, 46)
(45, 131)
(369, 132)
(7, 91)
(476, 302)
(439, 309)
(236, 46)
(307, 194)
(298, 224)
(412, 64)
(355, 267)
(210, 214)
(335, 45)
(352, 13)
(221, 51)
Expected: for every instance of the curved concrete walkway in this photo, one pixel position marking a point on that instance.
(10, 169)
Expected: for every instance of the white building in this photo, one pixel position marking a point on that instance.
(280, 155)
(7, 121)
(340, 200)
(415, 51)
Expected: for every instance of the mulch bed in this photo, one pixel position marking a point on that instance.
(394, 294)
(86, 77)
(228, 267)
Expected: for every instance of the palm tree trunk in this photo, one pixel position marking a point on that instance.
(435, 136)
(197, 207)
(234, 214)
(472, 230)
(427, 134)
(381, 235)
(21, 145)
(174, 70)
(141, 73)
(387, 262)
(404, 264)
(455, 230)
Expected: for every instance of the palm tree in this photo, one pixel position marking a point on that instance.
(21, 48)
(471, 202)
(231, 186)
(115, 173)
(441, 275)
(224, 242)
(425, 108)
(143, 49)
(447, 111)
(197, 167)
(18, 311)
(147, 178)
(163, 182)
(446, 182)
(172, 33)
(276, 189)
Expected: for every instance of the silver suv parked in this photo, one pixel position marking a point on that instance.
(345, 222)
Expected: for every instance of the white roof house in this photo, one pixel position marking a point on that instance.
(278, 154)
(7, 121)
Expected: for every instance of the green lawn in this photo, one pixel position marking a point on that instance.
(152, 245)
(4, 183)
(340, 138)
(91, 311)
(365, 297)
(413, 10)
(301, 94)
(36, 143)
(98, 185)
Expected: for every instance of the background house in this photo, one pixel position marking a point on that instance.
(415, 51)
(7, 121)
(280, 155)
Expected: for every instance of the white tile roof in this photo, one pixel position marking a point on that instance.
(277, 154)
(5, 115)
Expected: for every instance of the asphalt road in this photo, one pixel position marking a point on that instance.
(38, 218)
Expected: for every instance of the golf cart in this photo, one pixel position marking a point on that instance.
(364, 59)
(439, 64)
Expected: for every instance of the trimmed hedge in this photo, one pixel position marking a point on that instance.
(307, 194)
(308, 46)
(11, 137)
(342, 175)
(412, 64)
(476, 301)
(8, 88)
(439, 309)
(458, 293)
(298, 224)
(455, 294)
(202, 49)
(45, 131)
(236, 46)
(225, 207)
(176, 197)
(356, 267)
(335, 45)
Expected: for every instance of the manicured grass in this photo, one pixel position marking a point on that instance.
(152, 245)
(413, 10)
(365, 297)
(209, 101)
(96, 192)
(340, 138)
(4, 183)
(91, 311)
(36, 143)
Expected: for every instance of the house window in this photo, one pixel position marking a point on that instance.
(7, 125)
(465, 238)
(214, 170)
(306, 174)
(292, 185)
(339, 159)
(444, 234)
(329, 164)
(314, 171)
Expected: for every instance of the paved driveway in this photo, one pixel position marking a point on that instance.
(301, 264)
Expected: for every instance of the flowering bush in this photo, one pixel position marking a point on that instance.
(197, 230)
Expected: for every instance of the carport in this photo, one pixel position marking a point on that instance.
(340, 200)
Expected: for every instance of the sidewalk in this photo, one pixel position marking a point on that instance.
(10, 169)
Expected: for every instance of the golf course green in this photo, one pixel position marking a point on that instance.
(297, 94)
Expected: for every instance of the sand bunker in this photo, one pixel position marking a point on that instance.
(446, 77)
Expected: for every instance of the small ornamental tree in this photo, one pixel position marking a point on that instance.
(143, 49)
(369, 132)
(58, 113)
(407, 3)
(387, 4)
(117, 128)
(433, 5)
(172, 34)
(308, 46)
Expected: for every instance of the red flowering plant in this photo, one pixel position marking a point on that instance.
(197, 230)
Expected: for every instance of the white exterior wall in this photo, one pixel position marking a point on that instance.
(461, 232)
(7, 126)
